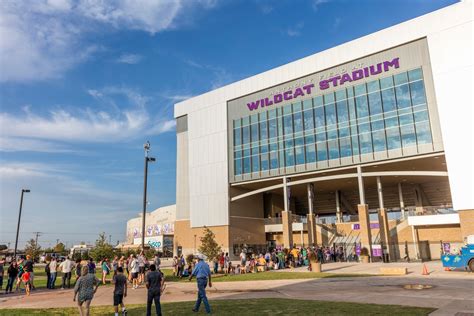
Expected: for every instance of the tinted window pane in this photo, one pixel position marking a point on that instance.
(238, 167)
(308, 120)
(298, 121)
(408, 135)
(388, 100)
(310, 153)
(417, 90)
(362, 106)
(423, 133)
(415, 74)
(403, 96)
(237, 137)
(393, 138)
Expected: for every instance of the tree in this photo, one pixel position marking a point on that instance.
(60, 248)
(32, 249)
(3, 247)
(209, 246)
(102, 249)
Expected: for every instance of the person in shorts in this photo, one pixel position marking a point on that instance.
(26, 279)
(120, 290)
(135, 269)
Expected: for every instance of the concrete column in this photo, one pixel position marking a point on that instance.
(360, 181)
(364, 222)
(311, 225)
(286, 218)
(287, 229)
(418, 200)
(415, 241)
(402, 203)
(338, 207)
(383, 220)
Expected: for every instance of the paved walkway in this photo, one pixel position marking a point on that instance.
(451, 292)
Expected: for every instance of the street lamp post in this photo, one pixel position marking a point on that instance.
(23, 191)
(147, 159)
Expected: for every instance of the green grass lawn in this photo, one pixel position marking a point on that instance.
(266, 306)
(40, 276)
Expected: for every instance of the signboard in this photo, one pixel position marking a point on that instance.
(356, 226)
(446, 247)
(154, 242)
(376, 251)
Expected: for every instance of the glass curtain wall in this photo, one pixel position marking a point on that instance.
(376, 116)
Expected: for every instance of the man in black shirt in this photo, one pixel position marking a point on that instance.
(154, 283)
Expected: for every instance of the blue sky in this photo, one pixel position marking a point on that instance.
(83, 84)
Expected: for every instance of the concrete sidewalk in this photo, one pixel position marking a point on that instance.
(415, 269)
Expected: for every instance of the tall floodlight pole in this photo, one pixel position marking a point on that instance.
(147, 159)
(23, 191)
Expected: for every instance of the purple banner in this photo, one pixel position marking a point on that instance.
(372, 226)
(339, 80)
(357, 249)
(446, 247)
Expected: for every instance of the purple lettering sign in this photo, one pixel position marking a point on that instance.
(355, 226)
(374, 226)
(376, 252)
(335, 81)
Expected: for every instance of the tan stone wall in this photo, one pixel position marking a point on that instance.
(184, 236)
(466, 218)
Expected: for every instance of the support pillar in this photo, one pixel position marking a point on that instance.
(415, 241)
(383, 220)
(402, 203)
(364, 218)
(287, 218)
(312, 240)
(338, 207)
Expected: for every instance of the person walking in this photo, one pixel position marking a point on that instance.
(157, 261)
(134, 269)
(154, 283)
(84, 290)
(77, 270)
(203, 275)
(114, 266)
(120, 291)
(66, 267)
(12, 274)
(53, 267)
(105, 270)
(141, 264)
(26, 278)
(91, 266)
(47, 270)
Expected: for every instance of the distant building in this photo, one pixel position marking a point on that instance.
(159, 229)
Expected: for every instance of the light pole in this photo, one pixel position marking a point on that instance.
(19, 218)
(147, 159)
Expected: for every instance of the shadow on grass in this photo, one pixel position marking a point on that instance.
(266, 306)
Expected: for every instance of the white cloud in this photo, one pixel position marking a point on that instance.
(221, 76)
(16, 144)
(43, 39)
(296, 30)
(317, 3)
(129, 59)
(87, 126)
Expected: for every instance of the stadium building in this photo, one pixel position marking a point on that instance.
(367, 144)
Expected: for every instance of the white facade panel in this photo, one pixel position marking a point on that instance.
(443, 219)
(451, 56)
(207, 137)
